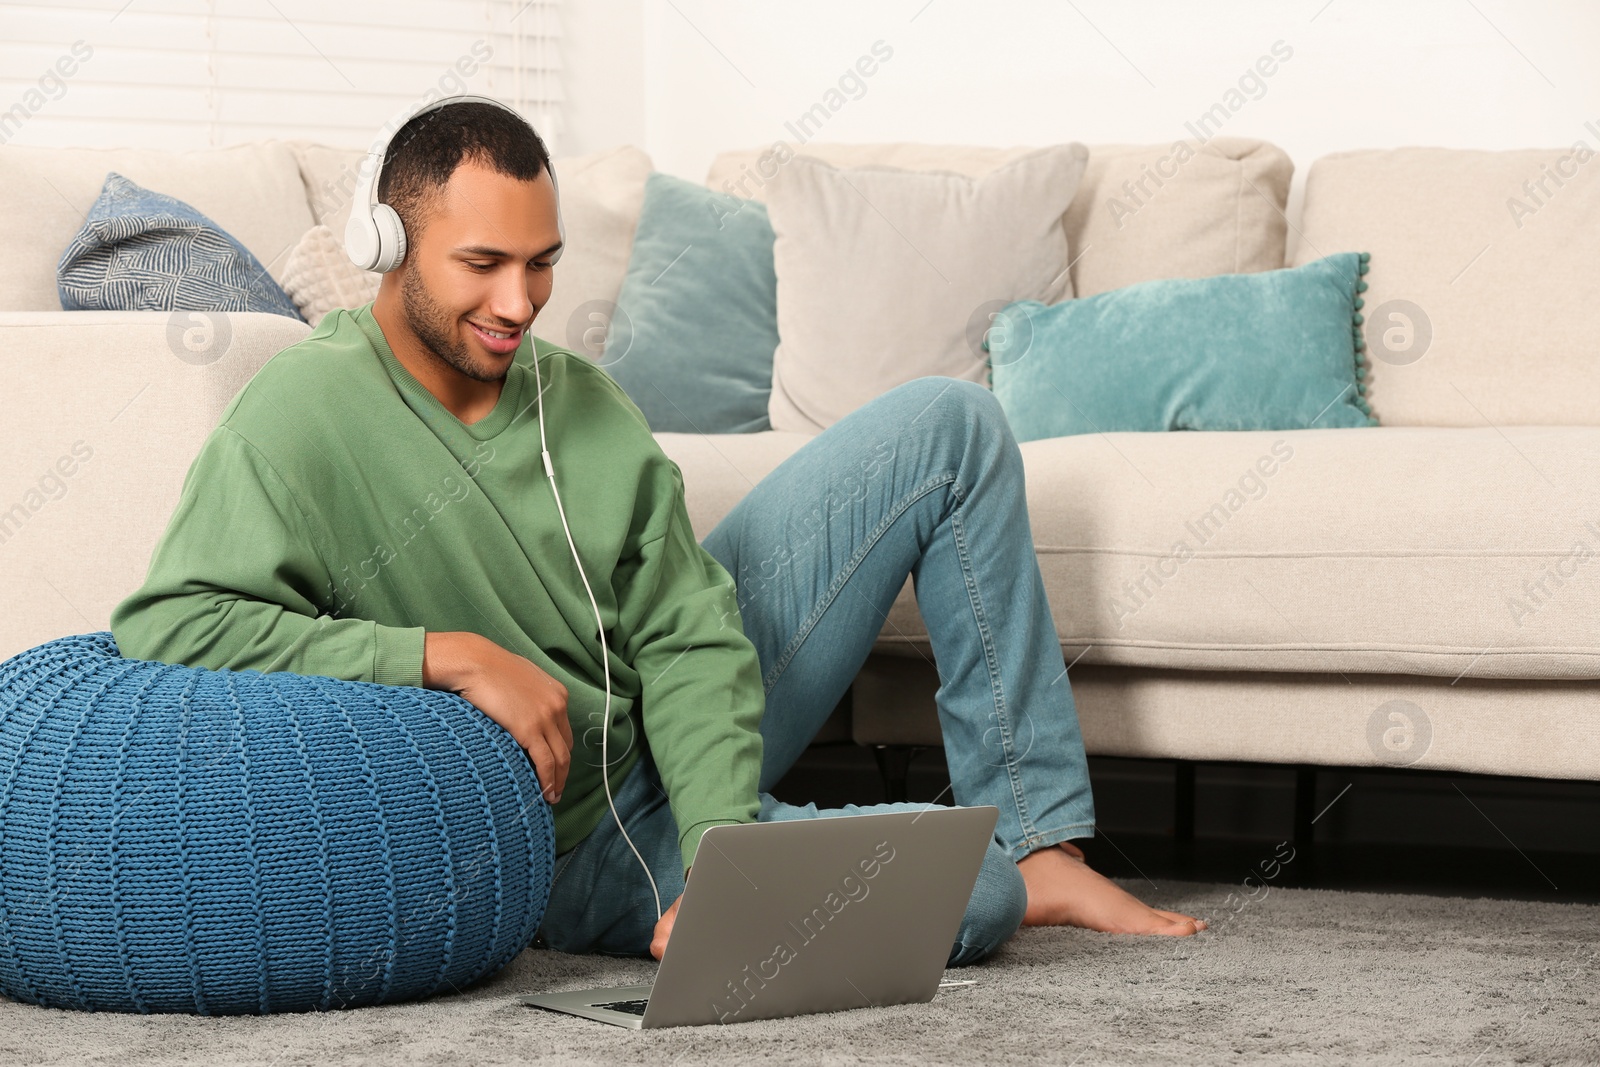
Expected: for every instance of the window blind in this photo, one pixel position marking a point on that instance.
(189, 74)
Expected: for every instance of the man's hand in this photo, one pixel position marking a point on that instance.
(658, 945)
(511, 690)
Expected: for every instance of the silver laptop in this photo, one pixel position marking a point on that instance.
(807, 915)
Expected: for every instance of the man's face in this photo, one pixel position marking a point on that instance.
(481, 262)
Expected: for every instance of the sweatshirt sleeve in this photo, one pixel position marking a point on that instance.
(236, 582)
(700, 677)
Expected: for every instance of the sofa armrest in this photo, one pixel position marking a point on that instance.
(101, 414)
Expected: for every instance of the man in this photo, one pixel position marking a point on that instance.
(372, 506)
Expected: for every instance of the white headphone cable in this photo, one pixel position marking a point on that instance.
(600, 627)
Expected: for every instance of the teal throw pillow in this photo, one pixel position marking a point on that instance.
(696, 323)
(140, 250)
(1274, 350)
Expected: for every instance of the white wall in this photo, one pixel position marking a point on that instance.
(719, 74)
(603, 53)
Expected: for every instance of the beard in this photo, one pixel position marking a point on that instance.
(435, 327)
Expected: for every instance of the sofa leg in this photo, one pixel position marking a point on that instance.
(1305, 844)
(894, 764)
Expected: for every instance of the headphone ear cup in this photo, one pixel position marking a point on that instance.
(360, 240)
(391, 238)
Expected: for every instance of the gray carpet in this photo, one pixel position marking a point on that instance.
(1294, 976)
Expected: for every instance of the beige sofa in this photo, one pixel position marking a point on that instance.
(1419, 594)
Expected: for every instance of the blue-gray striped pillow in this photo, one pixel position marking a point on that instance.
(140, 250)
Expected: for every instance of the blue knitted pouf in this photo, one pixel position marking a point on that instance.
(225, 842)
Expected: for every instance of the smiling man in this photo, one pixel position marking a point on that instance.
(372, 506)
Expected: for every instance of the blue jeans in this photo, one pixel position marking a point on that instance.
(924, 480)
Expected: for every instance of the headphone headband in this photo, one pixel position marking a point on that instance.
(374, 237)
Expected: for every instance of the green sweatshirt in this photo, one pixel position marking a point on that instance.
(339, 510)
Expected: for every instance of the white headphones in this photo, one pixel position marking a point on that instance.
(375, 238)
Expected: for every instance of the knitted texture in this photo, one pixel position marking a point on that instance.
(225, 842)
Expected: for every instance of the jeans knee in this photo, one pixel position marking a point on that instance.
(956, 397)
(961, 421)
(942, 396)
(989, 445)
(995, 912)
(979, 401)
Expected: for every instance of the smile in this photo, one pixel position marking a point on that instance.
(498, 341)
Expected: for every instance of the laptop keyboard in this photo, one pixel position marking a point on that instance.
(632, 1007)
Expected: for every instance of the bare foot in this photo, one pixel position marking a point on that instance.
(1063, 890)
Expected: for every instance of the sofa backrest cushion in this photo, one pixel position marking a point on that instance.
(1482, 303)
(1142, 212)
(253, 191)
(602, 194)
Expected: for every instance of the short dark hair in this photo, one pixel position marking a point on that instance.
(426, 151)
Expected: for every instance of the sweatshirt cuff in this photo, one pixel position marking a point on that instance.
(689, 840)
(397, 655)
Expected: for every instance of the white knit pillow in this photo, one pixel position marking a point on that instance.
(885, 275)
(319, 276)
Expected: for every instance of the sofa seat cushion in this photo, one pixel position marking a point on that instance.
(1430, 551)
(253, 191)
(719, 469)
